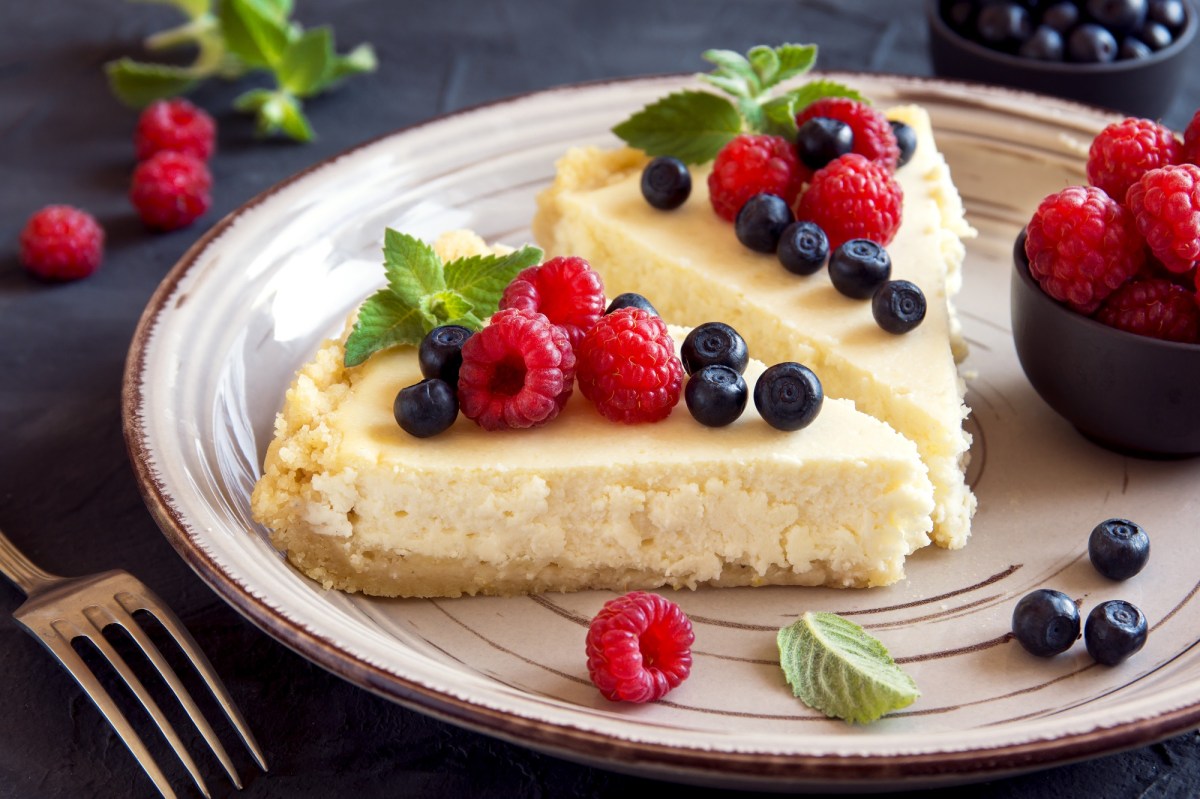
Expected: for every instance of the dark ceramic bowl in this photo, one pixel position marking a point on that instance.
(1129, 393)
(1142, 87)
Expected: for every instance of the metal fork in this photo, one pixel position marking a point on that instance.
(60, 609)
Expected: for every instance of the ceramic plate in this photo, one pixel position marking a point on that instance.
(250, 302)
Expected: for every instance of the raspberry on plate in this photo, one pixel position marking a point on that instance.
(171, 190)
(628, 367)
(853, 198)
(517, 372)
(1082, 245)
(639, 647)
(1166, 204)
(874, 137)
(567, 291)
(175, 125)
(753, 164)
(61, 243)
(1156, 308)
(1126, 150)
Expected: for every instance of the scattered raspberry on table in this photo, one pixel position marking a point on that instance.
(170, 190)
(174, 125)
(61, 243)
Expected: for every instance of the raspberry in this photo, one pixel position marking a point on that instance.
(1082, 245)
(874, 137)
(170, 190)
(853, 198)
(628, 367)
(566, 290)
(639, 647)
(517, 372)
(1156, 308)
(753, 164)
(175, 125)
(1126, 150)
(1166, 204)
(1191, 141)
(61, 243)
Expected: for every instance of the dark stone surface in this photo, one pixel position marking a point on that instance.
(67, 493)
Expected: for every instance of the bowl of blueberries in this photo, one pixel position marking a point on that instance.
(1126, 55)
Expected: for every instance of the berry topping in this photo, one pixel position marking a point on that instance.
(426, 408)
(639, 647)
(898, 306)
(567, 291)
(170, 190)
(1046, 622)
(628, 368)
(754, 164)
(859, 267)
(517, 372)
(716, 395)
(174, 125)
(1082, 245)
(714, 343)
(822, 139)
(853, 198)
(440, 353)
(788, 396)
(1154, 307)
(631, 300)
(666, 183)
(906, 140)
(1166, 204)
(1119, 548)
(762, 221)
(61, 243)
(1091, 44)
(1114, 630)
(803, 248)
(1126, 150)
(873, 136)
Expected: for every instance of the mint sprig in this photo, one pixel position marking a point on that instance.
(423, 292)
(233, 38)
(693, 126)
(836, 667)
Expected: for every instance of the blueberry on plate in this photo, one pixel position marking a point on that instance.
(1119, 548)
(631, 300)
(426, 408)
(714, 343)
(666, 183)
(762, 221)
(822, 139)
(788, 396)
(440, 353)
(803, 248)
(859, 267)
(716, 395)
(1114, 630)
(906, 138)
(1046, 622)
(898, 306)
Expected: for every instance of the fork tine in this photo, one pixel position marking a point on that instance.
(122, 668)
(59, 645)
(151, 603)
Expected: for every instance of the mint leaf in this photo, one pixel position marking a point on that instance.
(780, 112)
(384, 320)
(836, 667)
(733, 74)
(255, 32)
(307, 63)
(413, 269)
(481, 279)
(765, 62)
(794, 59)
(359, 60)
(692, 126)
(446, 307)
(138, 84)
(820, 89)
(292, 122)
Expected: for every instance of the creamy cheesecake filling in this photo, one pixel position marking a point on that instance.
(691, 266)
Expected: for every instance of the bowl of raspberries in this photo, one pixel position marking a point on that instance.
(1106, 292)
(1127, 55)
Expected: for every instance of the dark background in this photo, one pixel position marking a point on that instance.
(67, 493)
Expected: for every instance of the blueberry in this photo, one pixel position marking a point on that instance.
(1155, 35)
(1061, 16)
(803, 248)
(788, 396)
(898, 306)
(1003, 26)
(1119, 548)
(426, 408)
(666, 183)
(1092, 44)
(440, 353)
(716, 395)
(1118, 16)
(761, 222)
(821, 139)
(906, 137)
(1046, 622)
(714, 343)
(1045, 44)
(1114, 630)
(859, 267)
(631, 300)
(1169, 13)
(1132, 48)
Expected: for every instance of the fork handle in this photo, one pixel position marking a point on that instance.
(21, 570)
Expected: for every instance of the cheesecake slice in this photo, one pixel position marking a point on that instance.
(359, 505)
(689, 263)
